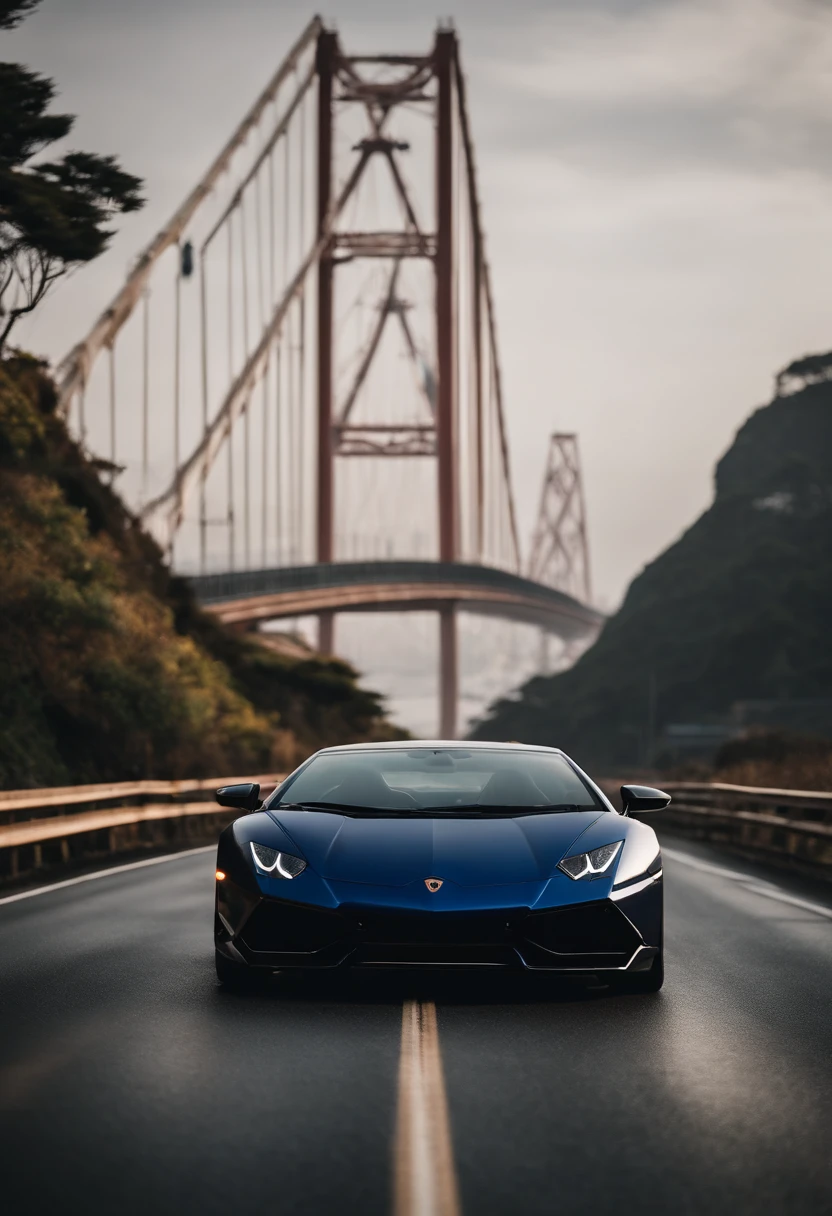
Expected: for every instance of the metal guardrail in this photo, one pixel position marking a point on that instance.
(57, 826)
(213, 588)
(778, 823)
(43, 828)
(18, 804)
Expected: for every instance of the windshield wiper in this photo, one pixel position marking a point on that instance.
(306, 806)
(556, 806)
(498, 809)
(356, 808)
(353, 808)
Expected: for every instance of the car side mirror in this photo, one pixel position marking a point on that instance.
(243, 797)
(643, 798)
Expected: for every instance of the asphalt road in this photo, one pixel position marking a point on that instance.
(130, 1083)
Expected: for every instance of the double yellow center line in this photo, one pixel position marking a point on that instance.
(424, 1176)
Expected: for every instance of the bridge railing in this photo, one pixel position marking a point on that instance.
(41, 829)
(213, 587)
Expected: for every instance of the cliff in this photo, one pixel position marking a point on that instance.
(739, 608)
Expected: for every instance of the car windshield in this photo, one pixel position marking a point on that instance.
(442, 779)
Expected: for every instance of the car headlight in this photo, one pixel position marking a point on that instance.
(585, 865)
(272, 861)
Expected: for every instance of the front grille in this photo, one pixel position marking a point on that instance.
(432, 955)
(431, 929)
(597, 928)
(292, 928)
(577, 933)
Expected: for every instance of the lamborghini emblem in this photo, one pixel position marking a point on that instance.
(433, 884)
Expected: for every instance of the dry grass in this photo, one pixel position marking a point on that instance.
(792, 775)
(776, 759)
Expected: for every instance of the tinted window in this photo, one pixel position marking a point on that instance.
(450, 778)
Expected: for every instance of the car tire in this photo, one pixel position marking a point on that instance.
(646, 981)
(235, 976)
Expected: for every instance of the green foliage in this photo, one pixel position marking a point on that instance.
(53, 214)
(318, 695)
(109, 669)
(738, 608)
(12, 12)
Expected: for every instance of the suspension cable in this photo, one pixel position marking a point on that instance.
(177, 360)
(203, 339)
(230, 465)
(278, 415)
(230, 302)
(82, 414)
(74, 369)
(112, 378)
(145, 388)
(244, 275)
(272, 285)
(258, 220)
(247, 401)
(302, 338)
(247, 481)
(265, 467)
(291, 404)
(232, 564)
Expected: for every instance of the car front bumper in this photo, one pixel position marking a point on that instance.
(617, 934)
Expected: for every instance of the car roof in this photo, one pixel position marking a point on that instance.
(431, 744)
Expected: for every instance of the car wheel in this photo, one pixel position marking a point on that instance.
(645, 981)
(235, 976)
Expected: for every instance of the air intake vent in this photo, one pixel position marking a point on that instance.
(597, 928)
(295, 928)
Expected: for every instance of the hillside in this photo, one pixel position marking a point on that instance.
(110, 671)
(739, 608)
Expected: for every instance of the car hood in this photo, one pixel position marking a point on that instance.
(396, 850)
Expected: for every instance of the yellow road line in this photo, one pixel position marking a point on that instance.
(424, 1175)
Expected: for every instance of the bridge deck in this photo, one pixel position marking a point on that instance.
(392, 586)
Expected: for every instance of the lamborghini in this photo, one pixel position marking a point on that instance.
(440, 854)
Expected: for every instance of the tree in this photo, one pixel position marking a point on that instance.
(12, 12)
(53, 213)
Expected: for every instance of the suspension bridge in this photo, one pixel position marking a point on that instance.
(298, 387)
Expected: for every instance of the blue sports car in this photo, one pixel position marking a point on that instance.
(440, 854)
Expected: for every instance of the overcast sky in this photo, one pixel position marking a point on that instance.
(657, 186)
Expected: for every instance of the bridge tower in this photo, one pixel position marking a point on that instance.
(432, 80)
(222, 384)
(560, 552)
